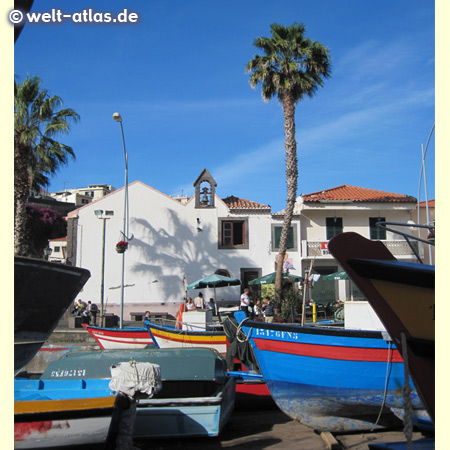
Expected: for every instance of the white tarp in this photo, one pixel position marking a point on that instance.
(134, 377)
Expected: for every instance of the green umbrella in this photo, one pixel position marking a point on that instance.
(214, 281)
(270, 278)
(342, 275)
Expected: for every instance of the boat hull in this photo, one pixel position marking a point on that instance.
(60, 414)
(121, 338)
(329, 379)
(196, 399)
(42, 293)
(403, 296)
(170, 337)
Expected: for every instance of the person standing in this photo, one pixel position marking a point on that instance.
(268, 310)
(91, 311)
(198, 301)
(245, 301)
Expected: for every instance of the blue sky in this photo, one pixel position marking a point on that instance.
(178, 79)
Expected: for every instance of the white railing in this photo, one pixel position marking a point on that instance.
(319, 249)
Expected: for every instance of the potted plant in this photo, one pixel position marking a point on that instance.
(121, 246)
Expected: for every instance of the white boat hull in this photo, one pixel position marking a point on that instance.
(61, 433)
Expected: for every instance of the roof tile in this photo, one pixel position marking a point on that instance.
(239, 203)
(357, 194)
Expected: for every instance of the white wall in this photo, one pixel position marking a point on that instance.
(166, 245)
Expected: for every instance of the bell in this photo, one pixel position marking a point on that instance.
(204, 200)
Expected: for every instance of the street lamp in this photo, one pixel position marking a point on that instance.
(47, 251)
(99, 214)
(118, 118)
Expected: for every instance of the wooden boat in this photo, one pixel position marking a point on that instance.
(42, 293)
(402, 294)
(59, 413)
(330, 378)
(195, 330)
(196, 399)
(121, 338)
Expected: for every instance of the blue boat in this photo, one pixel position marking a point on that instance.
(331, 378)
(197, 395)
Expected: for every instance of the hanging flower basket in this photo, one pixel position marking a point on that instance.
(121, 246)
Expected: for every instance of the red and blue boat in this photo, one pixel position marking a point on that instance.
(331, 378)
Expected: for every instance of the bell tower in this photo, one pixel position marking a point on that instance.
(205, 190)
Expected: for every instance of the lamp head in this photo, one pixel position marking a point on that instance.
(117, 117)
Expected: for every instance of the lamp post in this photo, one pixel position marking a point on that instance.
(118, 118)
(47, 251)
(99, 214)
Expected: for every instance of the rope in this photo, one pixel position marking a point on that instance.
(239, 331)
(386, 382)
(407, 403)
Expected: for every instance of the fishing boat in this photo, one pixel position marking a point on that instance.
(42, 293)
(196, 329)
(59, 413)
(197, 395)
(402, 294)
(121, 338)
(330, 378)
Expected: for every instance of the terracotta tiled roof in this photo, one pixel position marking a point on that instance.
(59, 239)
(356, 194)
(240, 203)
(430, 203)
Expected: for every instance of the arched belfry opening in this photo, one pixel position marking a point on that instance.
(205, 190)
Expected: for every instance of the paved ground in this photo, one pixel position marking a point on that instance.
(261, 425)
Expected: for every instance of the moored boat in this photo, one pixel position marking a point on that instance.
(42, 293)
(55, 414)
(121, 338)
(196, 330)
(197, 395)
(329, 378)
(403, 296)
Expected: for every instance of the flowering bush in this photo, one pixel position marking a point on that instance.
(122, 245)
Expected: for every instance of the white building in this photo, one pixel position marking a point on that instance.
(59, 249)
(172, 238)
(83, 196)
(324, 214)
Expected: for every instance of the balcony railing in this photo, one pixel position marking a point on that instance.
(397, 248)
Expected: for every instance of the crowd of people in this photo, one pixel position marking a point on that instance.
(88, 311)
(262, 310)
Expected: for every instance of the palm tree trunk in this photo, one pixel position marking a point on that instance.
(290, 146)
(21, 191)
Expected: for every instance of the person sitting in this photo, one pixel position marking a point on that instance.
(190, 306)
(211, 305)
(81, 307)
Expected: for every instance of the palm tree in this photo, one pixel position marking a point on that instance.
(291, 68)
(38, 118)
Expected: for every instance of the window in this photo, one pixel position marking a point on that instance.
(292, 238)
(334, 226)
(377, 232)
(233, 233)
(57, 249)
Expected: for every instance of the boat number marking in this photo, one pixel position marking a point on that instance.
(68, 373)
